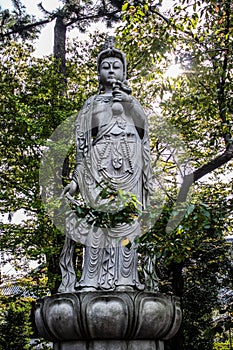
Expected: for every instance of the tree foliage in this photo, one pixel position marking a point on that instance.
(15, 329)
(31, 108)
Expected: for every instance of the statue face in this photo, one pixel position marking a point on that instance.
(110, 68)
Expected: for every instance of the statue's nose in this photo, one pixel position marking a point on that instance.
(111, 70)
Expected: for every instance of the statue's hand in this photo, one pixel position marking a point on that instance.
(120, 96)
(70, 189)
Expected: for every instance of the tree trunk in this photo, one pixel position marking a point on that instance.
(59, 49)
(54, 273)
(177, 343)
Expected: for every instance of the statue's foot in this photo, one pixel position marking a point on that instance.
(66, 289)
(87, 289)
(124, 288)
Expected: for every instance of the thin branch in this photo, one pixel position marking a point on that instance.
(88, 17)
(41, 7)
(167, 20)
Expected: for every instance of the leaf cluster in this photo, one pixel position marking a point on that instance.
(115, 207)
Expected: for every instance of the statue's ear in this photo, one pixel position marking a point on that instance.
(101, 88)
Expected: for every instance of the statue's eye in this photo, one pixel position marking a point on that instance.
(116, 65)
(105, 65)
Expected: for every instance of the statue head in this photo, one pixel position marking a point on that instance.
(109, 51)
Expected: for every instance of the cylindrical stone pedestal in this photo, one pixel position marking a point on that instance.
(108, 320)
(110, 345)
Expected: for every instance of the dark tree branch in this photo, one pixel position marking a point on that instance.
(207, 168)
(28, 26)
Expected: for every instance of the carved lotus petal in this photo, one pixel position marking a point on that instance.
(108, 315)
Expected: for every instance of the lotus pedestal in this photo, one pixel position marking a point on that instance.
(108, 320)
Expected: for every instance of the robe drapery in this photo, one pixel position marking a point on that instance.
(113, 148)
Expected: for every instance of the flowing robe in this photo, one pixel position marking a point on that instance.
(112, 147)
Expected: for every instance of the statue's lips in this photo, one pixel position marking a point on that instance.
(112, 80)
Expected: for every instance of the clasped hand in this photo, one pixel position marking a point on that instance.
(118, 94)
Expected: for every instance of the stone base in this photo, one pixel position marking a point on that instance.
(110, 345)
(104, 316)
(108, 320)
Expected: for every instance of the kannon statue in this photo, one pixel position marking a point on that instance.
(112, 143)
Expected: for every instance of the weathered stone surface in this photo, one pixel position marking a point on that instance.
(107, 309)
(112, 152)
(110, 345)
(108, 316)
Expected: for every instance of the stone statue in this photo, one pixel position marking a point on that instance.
(112, 148)
(107, 308)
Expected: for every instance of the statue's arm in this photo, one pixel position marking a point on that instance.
(81, 147)
(72, 188)
(139, 117)
(121, 93)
